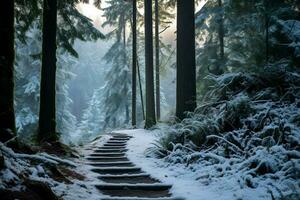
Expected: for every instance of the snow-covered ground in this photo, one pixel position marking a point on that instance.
(193, 182)
(19, 168)
(183, 178)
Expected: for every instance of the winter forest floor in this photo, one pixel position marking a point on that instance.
(81, 172)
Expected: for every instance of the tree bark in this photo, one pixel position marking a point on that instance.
(47, 116)
(267, 21)
(221, 39)
(186, 66)
(157, 70)
(134, 59)
(7, 56)
(140, 87)
(150, 105)
(127, 114)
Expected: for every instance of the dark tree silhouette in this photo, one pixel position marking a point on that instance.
(150, 105)
(134, 62)
(7, 55)
(221, 38)
(47, 116)
(186, 67)
(157, 73)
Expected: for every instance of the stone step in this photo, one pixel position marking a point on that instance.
(114, 145)
(116, 142)
(117, 170)
(135, 190)
(125, 175)
(109, 150)
(112, 164)
(107, 159)
(107, 154)
(141, 186)
(121, 136)
(139, 198)
(119, 139)
(135, 179)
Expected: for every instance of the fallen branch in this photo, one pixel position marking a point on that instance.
(42, 157)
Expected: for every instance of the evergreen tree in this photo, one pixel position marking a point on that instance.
(249, 43)
(47, 113)
(157, 78)
(162, 20)
(116, 91)
(134, 62)
(150, 103)
(28, 86)
(66, 121)
(27, 90)
(186, 68)
(71, 26)
(7, 54)
(92, 120)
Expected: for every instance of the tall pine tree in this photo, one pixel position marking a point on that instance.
(150, 103)
(116, 90)
(7, 55)
(134, 62)
(47, 116)
(186, 67)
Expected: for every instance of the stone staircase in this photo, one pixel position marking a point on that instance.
(122, 179)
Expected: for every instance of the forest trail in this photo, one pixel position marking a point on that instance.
(120, 178)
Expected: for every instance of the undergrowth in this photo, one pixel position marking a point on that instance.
(248, 124)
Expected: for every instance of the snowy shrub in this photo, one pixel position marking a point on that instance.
(247, 124)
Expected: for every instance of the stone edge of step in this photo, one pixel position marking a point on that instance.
(117, 168)
(137, 186)
(139, 198)
(125, 175)
(110, 163)
(105, 157)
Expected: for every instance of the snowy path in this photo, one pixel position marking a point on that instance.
(120, 178)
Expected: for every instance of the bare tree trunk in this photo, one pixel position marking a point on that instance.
(221, 39)
(141, 88)
(7, 56)
(134, 62)
(127, 118)
(47, 117)
(157, 73)
(150, 104)
(186, 66)
(267, 20)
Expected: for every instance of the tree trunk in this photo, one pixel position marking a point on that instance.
(7, 55)
(267, 19)
(141, 88)
(150, 105)
(127, 118)
(47, 118)
(221, 40)
(157, 73)
(186, 67)
(134, 59)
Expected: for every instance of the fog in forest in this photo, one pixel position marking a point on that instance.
(90, 69)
